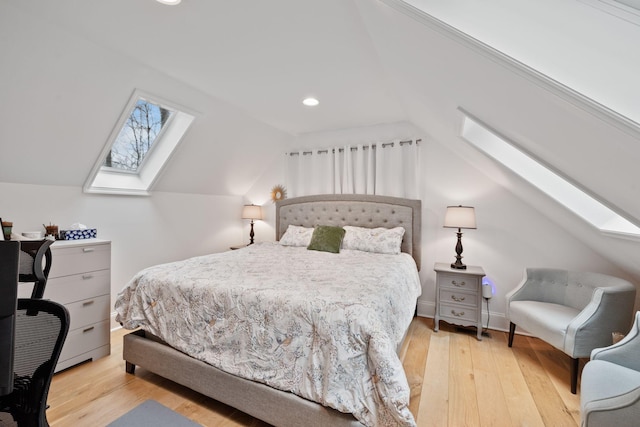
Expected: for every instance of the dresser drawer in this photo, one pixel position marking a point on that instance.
(83, 313)
(459, 313)
(456, 297)
(85, 339)
(68, 261)
(78, 287)
(458, 282)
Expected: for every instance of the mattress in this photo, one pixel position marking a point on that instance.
(320, 325)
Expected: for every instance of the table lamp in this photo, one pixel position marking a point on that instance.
(460, 217)
(251, 212)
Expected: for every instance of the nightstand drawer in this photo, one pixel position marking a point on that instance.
(458, 296)
(455, 297)
(458, 282)
(458, 313)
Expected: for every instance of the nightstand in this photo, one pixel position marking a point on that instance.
(458, 296)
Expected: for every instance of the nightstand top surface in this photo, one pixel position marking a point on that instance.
(471, 270)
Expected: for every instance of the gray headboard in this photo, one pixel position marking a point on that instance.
(357, 210)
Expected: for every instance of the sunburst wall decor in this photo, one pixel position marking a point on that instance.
(278, 193)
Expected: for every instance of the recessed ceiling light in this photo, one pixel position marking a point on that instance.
(310, 102)
(169, 2)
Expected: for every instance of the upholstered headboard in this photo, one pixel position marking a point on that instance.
(357, 210)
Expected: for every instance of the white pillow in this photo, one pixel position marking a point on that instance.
(379, 240)
(296, 236)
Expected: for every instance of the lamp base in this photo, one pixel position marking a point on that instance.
(458, 265)
(251, 234)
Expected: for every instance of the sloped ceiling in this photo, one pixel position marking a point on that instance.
(70, 66)
(246, 65)
(263, 57)
(578, 123)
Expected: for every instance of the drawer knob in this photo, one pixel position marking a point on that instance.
(87, 276)
(459, 299)
(90, 328)
(86, 303)
(455, 283)
(457, 314)
(88, 249)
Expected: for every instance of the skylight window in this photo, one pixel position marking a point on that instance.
(136, 138)
(550, 182)
(147, 133)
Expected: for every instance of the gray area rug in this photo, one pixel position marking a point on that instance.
(151, 413)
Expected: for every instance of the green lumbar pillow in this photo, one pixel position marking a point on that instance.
(326, 238)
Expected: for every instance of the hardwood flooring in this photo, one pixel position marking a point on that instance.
(455, 381)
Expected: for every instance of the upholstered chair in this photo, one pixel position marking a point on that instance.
(573, 311)
(610, 388)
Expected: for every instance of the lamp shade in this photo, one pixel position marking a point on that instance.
(460, 217)
(252, 212)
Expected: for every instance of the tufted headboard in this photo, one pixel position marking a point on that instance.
(357, 210)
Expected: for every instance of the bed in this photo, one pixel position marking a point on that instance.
(322, 354)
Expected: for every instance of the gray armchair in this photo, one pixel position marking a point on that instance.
(610, 390)
(573, 311)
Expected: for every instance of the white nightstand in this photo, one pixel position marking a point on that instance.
(459, 296)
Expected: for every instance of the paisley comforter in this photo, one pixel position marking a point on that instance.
(323, 326)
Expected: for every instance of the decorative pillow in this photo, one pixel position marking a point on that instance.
(296, 236)
(326, 238)
(379, 240)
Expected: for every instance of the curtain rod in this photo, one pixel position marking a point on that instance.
(340, 150)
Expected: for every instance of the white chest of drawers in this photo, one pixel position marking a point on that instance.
(80, 279)
(459, 296)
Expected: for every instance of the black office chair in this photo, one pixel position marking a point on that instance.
(33, 254)
(40, 331)
(9, 258)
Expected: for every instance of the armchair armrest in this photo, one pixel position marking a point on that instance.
(604, 314)
(619, 410)
(625, 352)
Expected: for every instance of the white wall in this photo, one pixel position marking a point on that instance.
(144, 231)
(437, 72)
(511, 235)
(62, 94)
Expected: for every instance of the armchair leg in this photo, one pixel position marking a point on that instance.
(512, 330)
(575, 365)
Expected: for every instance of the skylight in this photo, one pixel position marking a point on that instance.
(140, 144)
(550, 182)
(136, 138)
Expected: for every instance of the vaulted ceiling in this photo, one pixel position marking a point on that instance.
(69, 68)
(263, 57)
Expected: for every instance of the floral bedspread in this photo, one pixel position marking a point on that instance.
(323, 326)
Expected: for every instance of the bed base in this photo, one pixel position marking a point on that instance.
(273, 406)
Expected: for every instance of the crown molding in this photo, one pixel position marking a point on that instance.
(575, 98)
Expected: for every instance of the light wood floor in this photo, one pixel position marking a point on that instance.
(455, 381)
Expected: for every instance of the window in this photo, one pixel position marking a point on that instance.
(550, 182)
(136, 138)
(147, 133)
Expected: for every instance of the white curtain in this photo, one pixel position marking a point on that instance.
(388, 169)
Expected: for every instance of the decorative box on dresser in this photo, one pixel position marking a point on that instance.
(459, 296)
(80, 279)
